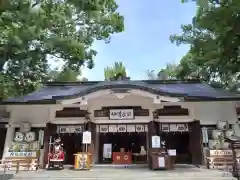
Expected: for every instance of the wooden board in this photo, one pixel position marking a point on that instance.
(220, 159)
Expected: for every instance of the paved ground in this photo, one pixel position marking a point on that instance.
(106, 173)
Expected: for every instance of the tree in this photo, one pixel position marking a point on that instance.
(214, 40)
(7, 87)
(84, 79)
(151, 74)
(66, 75)
(31, 32)
(169, 72)
(118, 70)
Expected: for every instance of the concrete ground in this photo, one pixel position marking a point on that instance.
(117, 173)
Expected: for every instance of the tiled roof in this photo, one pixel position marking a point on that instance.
(189, 90)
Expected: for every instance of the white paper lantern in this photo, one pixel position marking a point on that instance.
(223, 125)
(216, 134)
(14, 147)
(34, 146)
(25, 127)
(29, 137)
(24, 147)
(229, 133)
(18, 137)
(225, 145)
(214, 144)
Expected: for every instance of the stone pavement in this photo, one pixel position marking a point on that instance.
(106, 173)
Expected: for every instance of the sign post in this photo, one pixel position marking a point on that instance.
(87, 137)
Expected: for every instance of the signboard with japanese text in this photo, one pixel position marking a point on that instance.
(22, 154)
(86, 137)
(121, 114)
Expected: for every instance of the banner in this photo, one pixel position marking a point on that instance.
(107, 151)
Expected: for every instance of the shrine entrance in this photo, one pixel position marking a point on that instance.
(180, 142)
(72, 143)
(123, 147)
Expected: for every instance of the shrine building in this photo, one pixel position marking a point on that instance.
(121, 115)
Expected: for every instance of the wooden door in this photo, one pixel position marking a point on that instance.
(195, 142)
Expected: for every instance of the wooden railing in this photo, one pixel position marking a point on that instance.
(19, 165)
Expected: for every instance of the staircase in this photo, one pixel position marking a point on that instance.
(106, 173)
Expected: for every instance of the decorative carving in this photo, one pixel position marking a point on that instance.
(157, 100)
(155, 114)
(119, 95)
(122, 128)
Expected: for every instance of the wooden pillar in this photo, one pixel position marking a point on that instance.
(152, 131)
(195, 142)
(49, 130)
(93, 143)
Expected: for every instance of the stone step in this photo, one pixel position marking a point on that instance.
(125, 178)
(125, 174)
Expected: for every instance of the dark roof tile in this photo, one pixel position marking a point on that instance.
(192, 89)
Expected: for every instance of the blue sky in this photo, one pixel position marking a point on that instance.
(145, 42)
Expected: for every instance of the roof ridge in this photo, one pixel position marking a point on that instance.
(78, 83)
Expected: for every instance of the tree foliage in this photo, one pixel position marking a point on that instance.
(33, 31)
(214, 43)
(66, 75)
(118, 70)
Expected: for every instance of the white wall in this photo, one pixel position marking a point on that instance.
(35, 114)
(206, 112)
(211, 112)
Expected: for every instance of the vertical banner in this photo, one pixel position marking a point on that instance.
(41, 137)
(107, 151)
(156, 142)
(205, 135)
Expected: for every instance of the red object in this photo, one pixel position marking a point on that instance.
(57, 156)
(122, 158)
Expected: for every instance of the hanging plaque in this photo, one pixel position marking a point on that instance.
(122, 128)
(113, 128)
(63, 129)
(165, 127)
(120, 114)
(181, 127)
(103, 128)
(139, 128)
(77, 129)
(130, 128)
(146, 128)
(173, 128)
